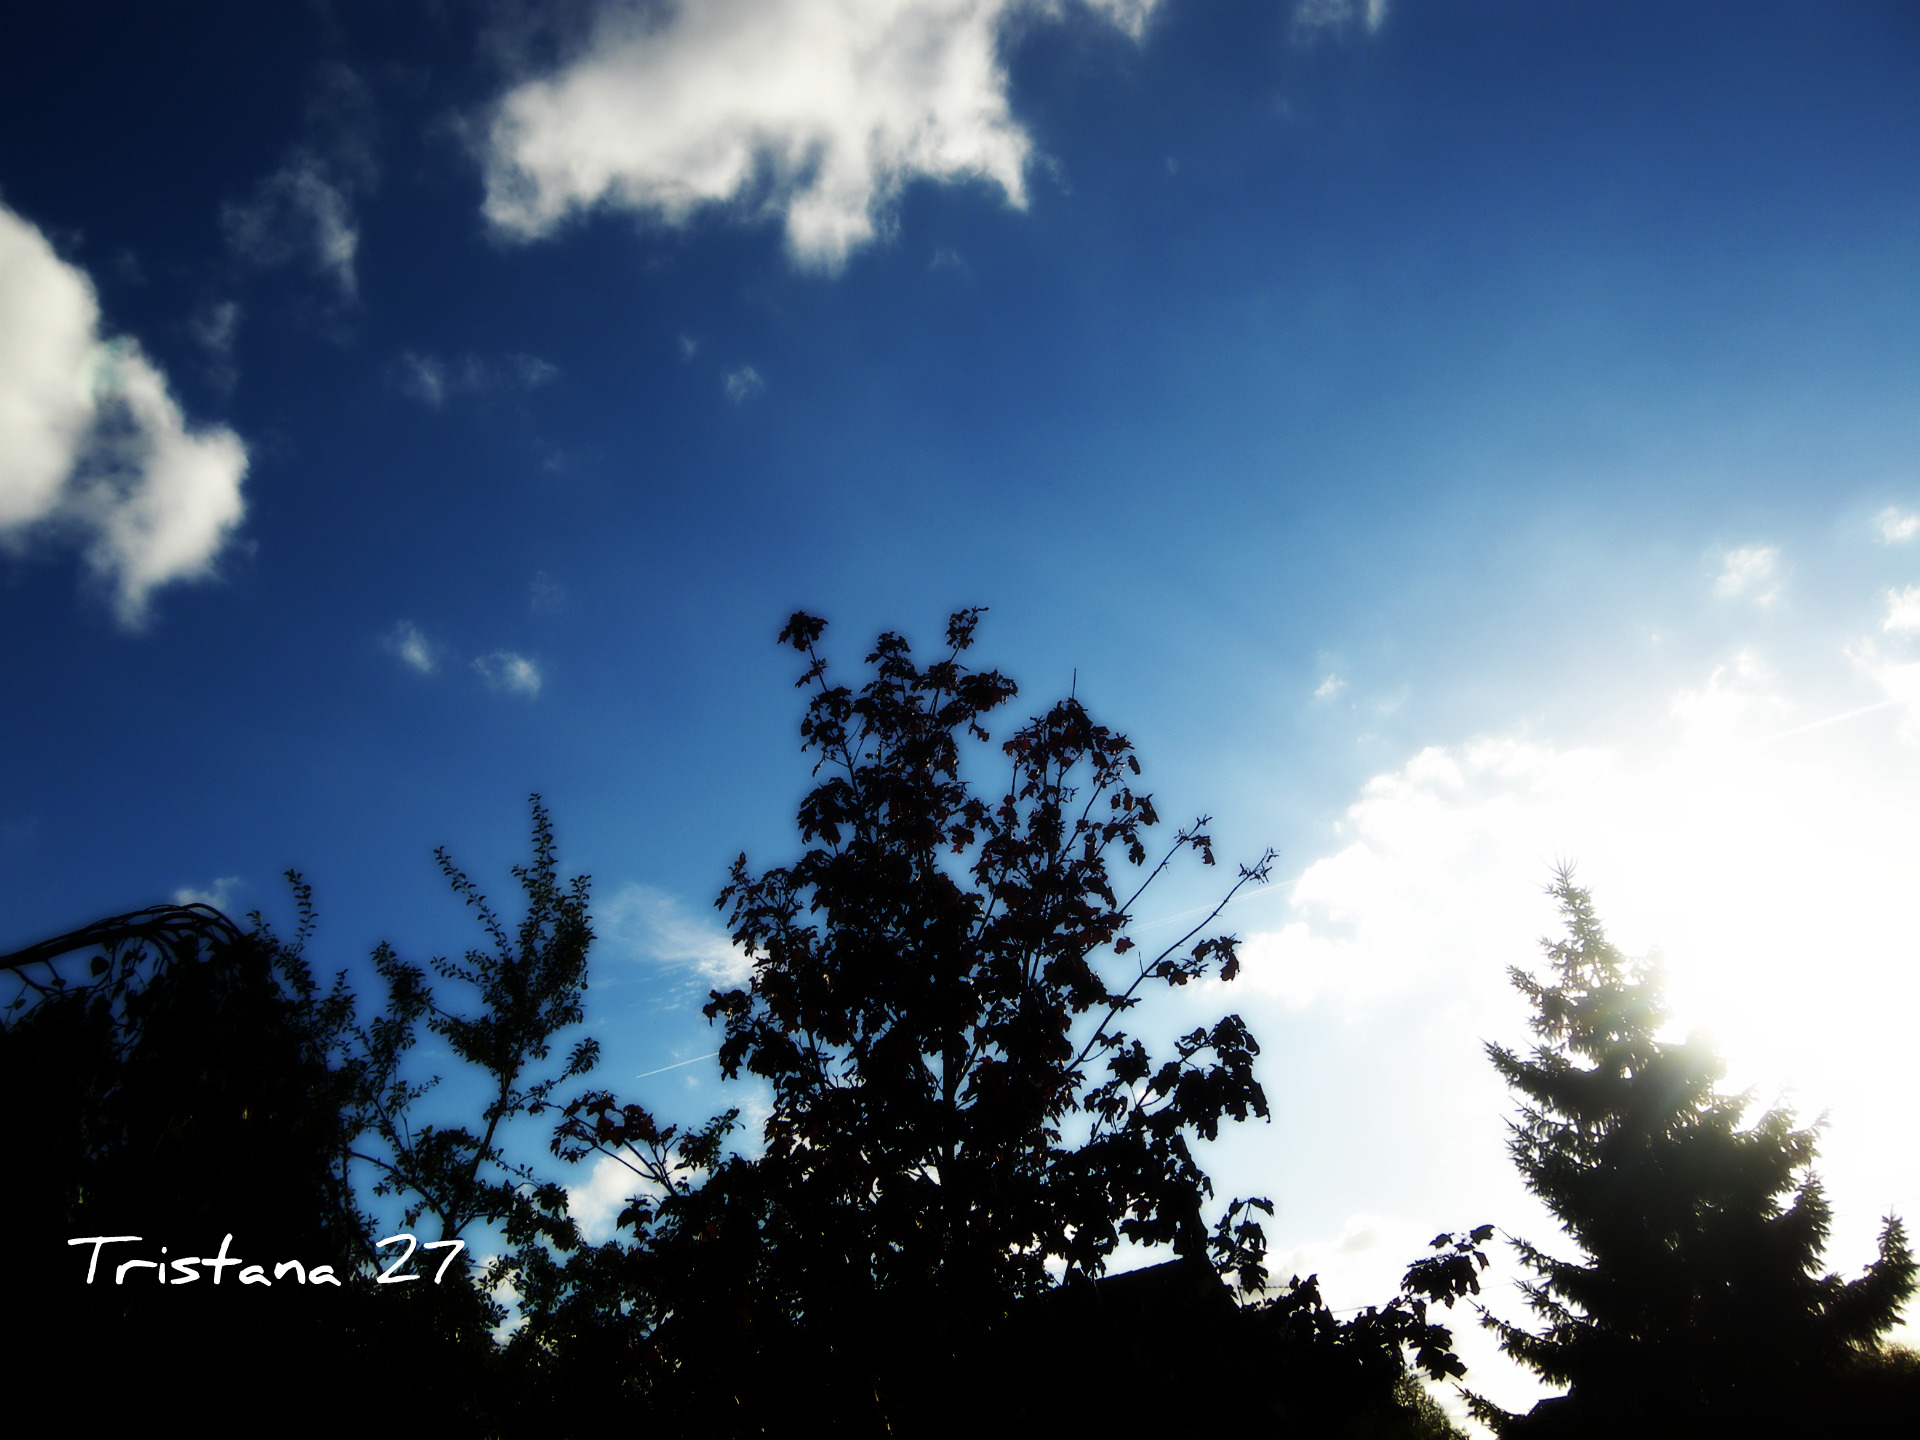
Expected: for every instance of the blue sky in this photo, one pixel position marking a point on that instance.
(1447, 438)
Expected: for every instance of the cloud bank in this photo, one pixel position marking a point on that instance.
(815, 112)
(96, 447)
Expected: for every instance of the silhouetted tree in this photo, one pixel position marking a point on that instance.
(936, 990)
(169, 1077)
(172, 1077)
(1697, 1305)
(961, 1133)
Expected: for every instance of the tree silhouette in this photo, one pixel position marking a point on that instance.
(172, 1077)
(961, 1133)
(935, 1001)
(174, 1084)
(1698, 1305)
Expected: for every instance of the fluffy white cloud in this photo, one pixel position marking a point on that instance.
(1749, 571)
(95, 444)
(1329, 687)
(650, 923)
(1896, 525)
(596, 1203)
(509, 673)
(818, 112)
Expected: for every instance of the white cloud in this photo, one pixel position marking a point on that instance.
(1744, 855)
(596, 1203)
(651, 924)
(1749, 571)
(219, 894)
(1903, 611)
(95, 444)
(1329, 687)
(742, 384)
(1771, 866)
(817, 112)
(1896, 525)
(433, 380)
(406, 642)
(509, 673)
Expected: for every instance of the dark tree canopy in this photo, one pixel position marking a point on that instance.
(963, 1133)
(937, 987)
(1697, 1298)
(173, 1077)
(937, 984)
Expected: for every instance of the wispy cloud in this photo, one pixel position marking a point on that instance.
(1329, 687)
(652, 924)
(298, 212)
(412, 648)
(816, 114)
(1313, 19)
(216, 327)
(742, 384)
(1896, 525)
(95, 446)
(304, 212)
(1749, 572)
(433, 381)
(546, 595)
(508, 673)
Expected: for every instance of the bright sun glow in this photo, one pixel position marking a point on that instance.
(1764, 845)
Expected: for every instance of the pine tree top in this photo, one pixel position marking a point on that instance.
(1701, 1235)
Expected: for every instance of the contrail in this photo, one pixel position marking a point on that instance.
(676, 1065)
(1830, 720)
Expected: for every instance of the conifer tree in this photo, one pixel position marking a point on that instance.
(1698, 1299)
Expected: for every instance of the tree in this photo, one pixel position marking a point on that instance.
(177, 1087)
(937, 990)
(171, 1076)
(1698, 1301)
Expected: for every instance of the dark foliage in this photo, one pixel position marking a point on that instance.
(961, 1137)
(1697, 1305)
(171, 1077)
(175, 1085)
(936, 1001)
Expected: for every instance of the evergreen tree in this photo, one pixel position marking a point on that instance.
(1699, 1298)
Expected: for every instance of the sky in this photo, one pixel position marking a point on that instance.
(1449, 439)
